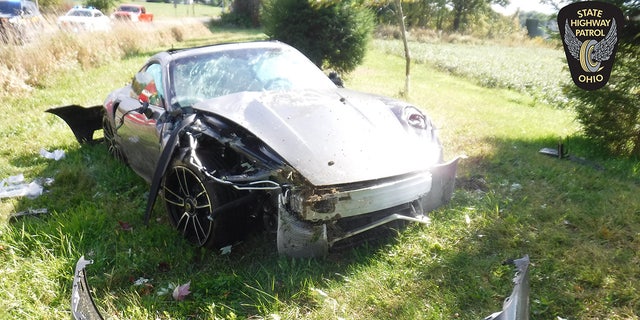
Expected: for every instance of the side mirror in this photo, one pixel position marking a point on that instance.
(335, 77)
(143, 87)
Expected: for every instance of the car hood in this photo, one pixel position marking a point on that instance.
(331, 137)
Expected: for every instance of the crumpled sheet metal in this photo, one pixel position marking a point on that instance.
(516, 306)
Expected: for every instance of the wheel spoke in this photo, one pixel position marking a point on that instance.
(198, 230)
(185, 215)
(176, 195)
(182, 181)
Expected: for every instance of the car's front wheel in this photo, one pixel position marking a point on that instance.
(191, 205)
(110, 139)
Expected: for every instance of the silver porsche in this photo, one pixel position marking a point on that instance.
(231, 136)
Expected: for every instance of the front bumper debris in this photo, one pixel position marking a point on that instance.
(431, 189)
(82, 305)
(516, 306)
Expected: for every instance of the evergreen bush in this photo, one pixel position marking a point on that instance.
(333, 34)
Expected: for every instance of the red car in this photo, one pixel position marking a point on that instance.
(132, 12)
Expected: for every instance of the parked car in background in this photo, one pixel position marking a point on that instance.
(133, 13)
(84, 19)
(19, 21)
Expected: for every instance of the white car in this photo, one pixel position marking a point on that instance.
(84, 19)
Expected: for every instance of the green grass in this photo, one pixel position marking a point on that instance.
(579, 225)
(539, 71)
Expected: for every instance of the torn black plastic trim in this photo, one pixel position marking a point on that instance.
(516, 306)
(82, 121)
(82, 304)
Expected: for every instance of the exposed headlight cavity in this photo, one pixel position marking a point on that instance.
(415, 118)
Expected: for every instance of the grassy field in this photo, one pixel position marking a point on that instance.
(579, 222)
(525, 68)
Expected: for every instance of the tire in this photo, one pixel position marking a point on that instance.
(110, 140)
(191, 205)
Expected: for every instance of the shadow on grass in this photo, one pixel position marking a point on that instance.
(578, 221)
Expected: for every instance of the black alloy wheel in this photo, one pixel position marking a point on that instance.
(191, 204)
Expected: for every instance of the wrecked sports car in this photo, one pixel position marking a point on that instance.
(235, 134)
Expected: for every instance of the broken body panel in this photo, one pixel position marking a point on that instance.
(515, 307)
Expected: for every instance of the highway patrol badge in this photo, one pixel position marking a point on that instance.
(589, 32)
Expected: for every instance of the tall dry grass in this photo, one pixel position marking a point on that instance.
(28, 66)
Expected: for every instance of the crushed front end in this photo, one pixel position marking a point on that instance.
(312, 220)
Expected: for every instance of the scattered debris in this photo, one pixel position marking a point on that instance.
(55, 155)
(140, 281)
(15, 186)
(82, 304)
(225, 250)
(29, 212)
(561, 152)
(516, 306)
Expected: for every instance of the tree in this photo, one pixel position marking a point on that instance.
(610, 116)
(462, 9)
(102, 5)
(244, 13)
(331, 33)
(407, 52)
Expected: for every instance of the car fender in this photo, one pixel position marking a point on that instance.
(83, 121)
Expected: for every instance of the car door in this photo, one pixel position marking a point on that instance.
(140, 130)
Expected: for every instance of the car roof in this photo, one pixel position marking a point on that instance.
(177, 53)
(265, 44)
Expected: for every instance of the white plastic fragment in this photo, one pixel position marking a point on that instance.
(140, 281)
(55, 155)
(225, 250)
(15, 186)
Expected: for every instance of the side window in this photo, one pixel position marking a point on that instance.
(155, 70)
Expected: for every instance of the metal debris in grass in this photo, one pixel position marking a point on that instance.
(29, 212)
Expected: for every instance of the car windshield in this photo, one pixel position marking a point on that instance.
(209, 75)
(10, 7)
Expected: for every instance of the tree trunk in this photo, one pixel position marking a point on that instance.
(407, 54)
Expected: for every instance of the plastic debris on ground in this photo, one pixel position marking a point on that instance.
(55, 154)
(15, 186)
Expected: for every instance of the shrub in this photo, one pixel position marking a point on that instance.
(243, 13)
(103, 5)
(610, 116)
(333, 34)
